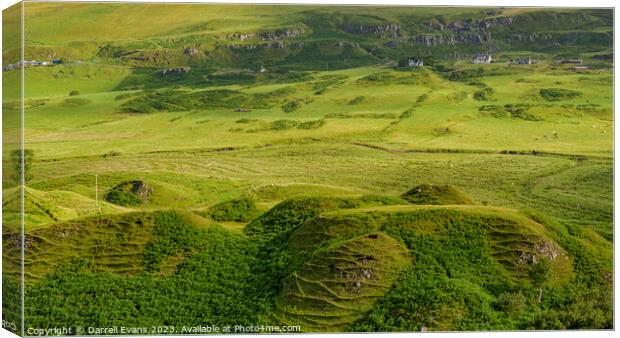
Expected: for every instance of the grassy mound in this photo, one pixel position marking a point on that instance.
(112, 243)
(466, 257)
(436, 194)
(237, 210)
(513, 241)
(338, 286)
(130, 193)
(290, 214)
(124, 244)
(183, 258)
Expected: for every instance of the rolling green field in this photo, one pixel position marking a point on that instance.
(299, 174)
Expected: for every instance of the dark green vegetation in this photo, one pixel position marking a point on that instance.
(128, 193)
(558, 94)
(362, 264)
(285, 165)
(238, 210)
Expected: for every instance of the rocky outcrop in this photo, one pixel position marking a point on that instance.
(281, 34)
(278, 34)
(431, 40)
(189, 51)
(177, 70)
(387, 30)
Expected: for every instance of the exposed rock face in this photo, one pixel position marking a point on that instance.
(431, 40)
(391, 30)
(537, 251)
(281, 34)
(191, 51)
(267, 36)
(167, 71)
(479, 32)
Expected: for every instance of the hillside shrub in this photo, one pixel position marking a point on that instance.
(129, 193)
(291, 106)
(314, 124)
(485, 94)
(558, 94)
(236, 210)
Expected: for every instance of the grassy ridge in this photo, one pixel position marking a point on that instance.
(344, 269)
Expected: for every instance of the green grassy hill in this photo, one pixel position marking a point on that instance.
(300, 173)
(345, 269)
(155, 35)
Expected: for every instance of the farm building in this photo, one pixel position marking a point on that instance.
(482, 58)
(415, 62)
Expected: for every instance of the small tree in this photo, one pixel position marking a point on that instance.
(540, 273)
(16, 159)
(511, 303)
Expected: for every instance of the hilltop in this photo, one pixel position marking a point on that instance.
(298, 37)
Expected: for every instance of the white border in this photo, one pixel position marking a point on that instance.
(473, 3)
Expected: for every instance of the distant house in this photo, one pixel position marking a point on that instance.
(524, 61)
(581, 69)
(415, 62)
(482, 58)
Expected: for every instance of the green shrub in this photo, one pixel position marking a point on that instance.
(485, 94)
(422, 98)
(558, 94)
(511, 303)
(291, 106)
(290, 214)
(130, 193)
(283, 124)
(237, 210)
(465, 75)
(315, 124)
(74, 93)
